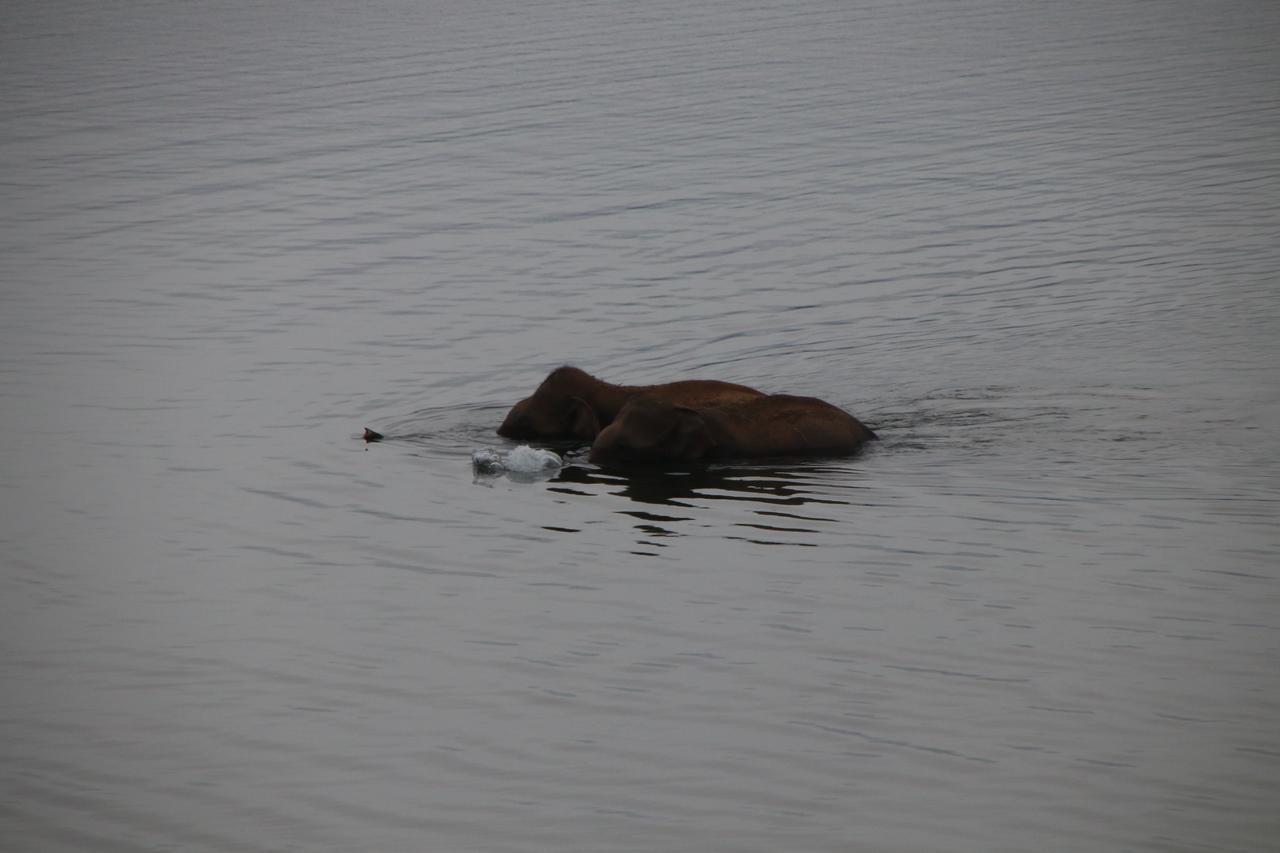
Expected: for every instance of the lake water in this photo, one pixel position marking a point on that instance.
(1035, 245)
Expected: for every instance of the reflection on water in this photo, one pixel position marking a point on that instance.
(766, 488)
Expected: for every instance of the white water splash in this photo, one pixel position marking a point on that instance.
(519, 462)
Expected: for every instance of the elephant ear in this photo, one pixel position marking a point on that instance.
(690, 438)
(583, 422)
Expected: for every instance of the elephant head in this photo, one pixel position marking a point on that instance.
(548, 414)
(649, 429)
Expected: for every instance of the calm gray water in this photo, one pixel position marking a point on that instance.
(1035, 244)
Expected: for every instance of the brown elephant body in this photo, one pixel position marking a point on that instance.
(651, 429)
(571, 403)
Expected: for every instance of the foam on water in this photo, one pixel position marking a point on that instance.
(522, 461)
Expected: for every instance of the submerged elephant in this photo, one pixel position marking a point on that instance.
(650, 429)
(571, 403)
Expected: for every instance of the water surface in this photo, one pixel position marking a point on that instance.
(1032, 244)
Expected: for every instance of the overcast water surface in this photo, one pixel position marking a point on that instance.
(1036, 245)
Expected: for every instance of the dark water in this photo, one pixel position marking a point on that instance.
(1036, 245)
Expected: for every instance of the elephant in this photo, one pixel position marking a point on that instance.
(572, 404)
(652, 429)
